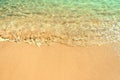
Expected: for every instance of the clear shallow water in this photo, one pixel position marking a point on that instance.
(104, 8)
(72, 21)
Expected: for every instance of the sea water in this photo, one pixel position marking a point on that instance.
(76, 19)
(99, 8)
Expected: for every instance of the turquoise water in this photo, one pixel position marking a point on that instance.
(97, 8)
(76, 22)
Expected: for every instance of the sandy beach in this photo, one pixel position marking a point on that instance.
(21, 61)
(59, 39)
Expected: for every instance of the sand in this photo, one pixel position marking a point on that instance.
(21, 61)
(57, 40)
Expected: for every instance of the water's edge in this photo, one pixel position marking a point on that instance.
(70, 22)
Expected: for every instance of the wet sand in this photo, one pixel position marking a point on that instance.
(21, 61)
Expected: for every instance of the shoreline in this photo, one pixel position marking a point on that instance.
(46, 30)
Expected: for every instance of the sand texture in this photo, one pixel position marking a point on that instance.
(20, 61)
(68, 39)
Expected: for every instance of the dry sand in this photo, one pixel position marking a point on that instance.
(20, 61)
